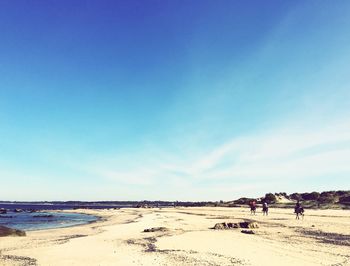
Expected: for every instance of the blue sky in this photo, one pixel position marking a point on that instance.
(173, 100)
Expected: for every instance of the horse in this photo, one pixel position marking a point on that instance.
(252, 209)
(265, 209)
(299, 211)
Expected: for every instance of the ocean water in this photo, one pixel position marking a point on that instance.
(27, 221)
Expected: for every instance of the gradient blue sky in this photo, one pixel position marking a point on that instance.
(173, 100)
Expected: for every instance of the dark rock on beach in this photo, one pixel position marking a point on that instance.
(248, 225)
(3, 211)
(5, 231)
(220, 226)
(155, 229)
(249, 232)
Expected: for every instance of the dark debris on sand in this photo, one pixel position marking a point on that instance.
(156, 229)
(19, 260)
(326, 237)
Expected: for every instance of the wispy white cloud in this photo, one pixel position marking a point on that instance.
(285, 153)
(243, 163)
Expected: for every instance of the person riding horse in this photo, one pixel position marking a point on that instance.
(298, 210)
(252, 205)
(265, 208)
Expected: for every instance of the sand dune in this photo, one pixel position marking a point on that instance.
(322, 238)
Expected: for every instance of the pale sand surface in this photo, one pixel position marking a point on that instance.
(322, 238)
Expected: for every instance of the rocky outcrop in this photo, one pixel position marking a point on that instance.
(6, 231)
(245, 224)
(220, 226)
(3, 211)
(248, 225)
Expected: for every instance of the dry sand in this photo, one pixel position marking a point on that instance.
(322, 238)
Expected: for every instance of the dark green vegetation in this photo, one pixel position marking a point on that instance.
(341, 196)
(327, 199)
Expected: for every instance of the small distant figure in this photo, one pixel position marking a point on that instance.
(252, 205)
(265, 208)
(298, 210)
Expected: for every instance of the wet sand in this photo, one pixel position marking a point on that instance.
(321, 238)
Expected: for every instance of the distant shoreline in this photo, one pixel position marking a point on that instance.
(313, 200)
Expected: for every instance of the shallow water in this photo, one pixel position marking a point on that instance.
(43, 220)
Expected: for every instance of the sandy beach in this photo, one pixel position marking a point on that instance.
(321, 238)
